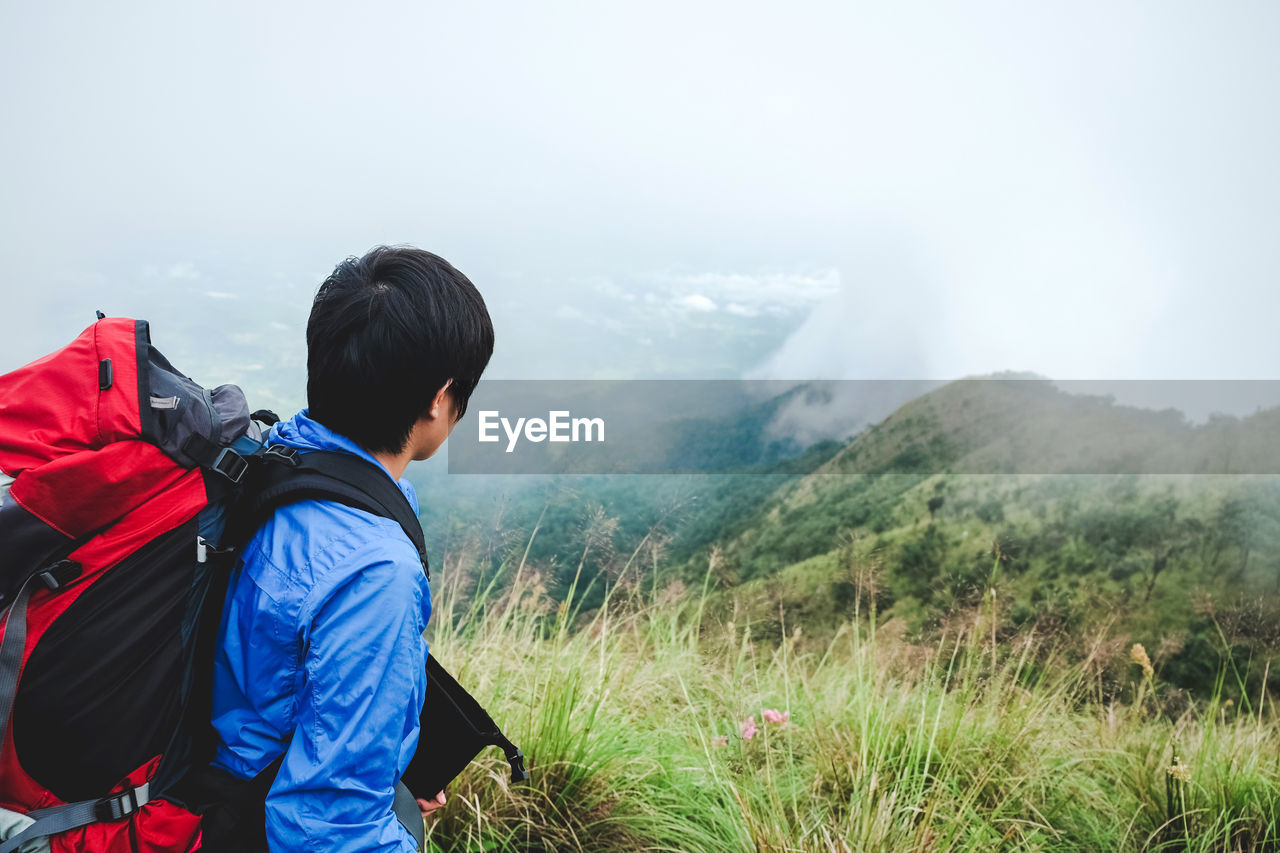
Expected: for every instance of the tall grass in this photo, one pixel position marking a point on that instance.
(632, 719)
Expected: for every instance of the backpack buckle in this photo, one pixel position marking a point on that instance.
(281, 453)
(516, 760)
(59, 574)
(117, 806)
(230, 465)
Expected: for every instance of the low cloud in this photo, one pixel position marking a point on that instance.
(746, 294)
(694, 302)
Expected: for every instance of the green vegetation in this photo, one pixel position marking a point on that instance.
(633, 718)
(1189, 563)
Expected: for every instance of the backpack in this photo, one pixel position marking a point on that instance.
(125, 488)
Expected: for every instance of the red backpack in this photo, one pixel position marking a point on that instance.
(117, 471)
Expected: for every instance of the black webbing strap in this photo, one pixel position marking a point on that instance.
(14, 642)
(11, 648)
(72, 815)
(215, 457)
(335, 476)
(57, 819)
(405, 807)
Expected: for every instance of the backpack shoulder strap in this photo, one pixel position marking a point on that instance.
(288, 478)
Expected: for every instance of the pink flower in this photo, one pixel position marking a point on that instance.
(749, 728)
(720, 740)
(773, 716)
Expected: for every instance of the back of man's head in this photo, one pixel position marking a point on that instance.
(386, 332)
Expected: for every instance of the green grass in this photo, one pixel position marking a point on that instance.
(631, 720)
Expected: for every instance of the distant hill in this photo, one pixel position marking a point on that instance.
(989, 427)
(1013, 425)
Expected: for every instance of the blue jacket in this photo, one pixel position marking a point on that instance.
(321, 657)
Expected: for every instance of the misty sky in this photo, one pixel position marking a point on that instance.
(799, 190)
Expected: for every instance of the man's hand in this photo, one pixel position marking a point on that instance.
(428, 806)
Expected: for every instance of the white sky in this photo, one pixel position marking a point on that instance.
(799, 190)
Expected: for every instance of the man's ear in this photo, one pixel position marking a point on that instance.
(439, 403)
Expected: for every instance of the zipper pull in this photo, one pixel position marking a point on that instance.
(202, 550)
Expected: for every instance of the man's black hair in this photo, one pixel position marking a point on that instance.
(386, 332)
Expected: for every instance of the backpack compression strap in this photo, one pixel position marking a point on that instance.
(57, 819)
(14, 641)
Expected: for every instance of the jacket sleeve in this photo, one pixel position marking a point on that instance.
(364, 681)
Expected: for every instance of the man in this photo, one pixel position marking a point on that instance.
(321, 659)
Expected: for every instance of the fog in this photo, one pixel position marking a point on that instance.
(700, 190)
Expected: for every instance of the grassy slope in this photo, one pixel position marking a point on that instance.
(633, 729)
